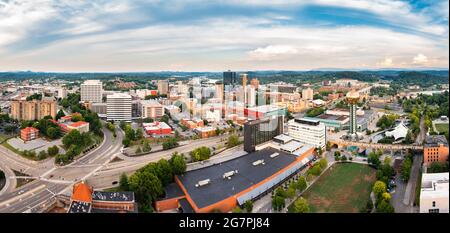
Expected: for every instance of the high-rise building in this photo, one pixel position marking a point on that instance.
(152, 109)
(91, 91)
(219, 90)
(229, 78)
(118, 107)
(163, 87)
(306, 131)
(262, 130)
(254, 83)
(352, 99)
(307, 94)
(33, 109)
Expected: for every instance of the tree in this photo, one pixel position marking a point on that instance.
(177, 163)
(139, 134)
(248, 205)
(146, 186)
(385, 207)
(53, 132)
(301, 184)
(130, 133)
(77, 117)
(53, 150)
(323, 163)
(123, 182)
(290, 191)
(386, 196)
(126, 142)
(59, 114)
(406, 169)
(201, 153)
(42, 155)
(72, 138)
(301, 206)
(278, 202)
(233, 140)
(237, 210)
(169, 144)
(373, 159)
(146, 147)
(165, 172)
(379, 188)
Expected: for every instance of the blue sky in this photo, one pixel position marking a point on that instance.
(200, 35)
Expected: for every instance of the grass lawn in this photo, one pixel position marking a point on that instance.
(344, 188)
(441, 127)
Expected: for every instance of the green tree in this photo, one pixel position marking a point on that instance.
(123, 182)
(248, 205)
(146, 147)
(201, 153)
(301, 206)
(53, 150)
(139, 134)
(177, 163)
(59, 114)
(323, 163)
(53, 132)
(126, 142)
(165, 172)
(379, 188)
(237, 210)
(385, 207)
(146, 187)
(42, 155)
(301, 184)
(233, 140)
(278, 202)
(72, 138)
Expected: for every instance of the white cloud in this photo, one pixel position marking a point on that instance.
(387, 62)
(272, 52)
(420, 59)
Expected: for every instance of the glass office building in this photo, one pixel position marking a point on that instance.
(262, 130)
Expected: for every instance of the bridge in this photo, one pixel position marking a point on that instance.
(375, 145)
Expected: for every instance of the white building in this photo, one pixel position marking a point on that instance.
(163, 87)
(400, 131)
(62, 92)
(152, 109)
(118, 107)
(307, 94)
(91, 91)
(434, 193)
(310, 132)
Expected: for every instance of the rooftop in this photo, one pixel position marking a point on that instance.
(219, 188)
(113, 196)
(79, 207)
(82, 192)
(332, 117)
(435, 140)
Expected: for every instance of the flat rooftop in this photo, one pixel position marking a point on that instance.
(113, 196)
(248, 174)
(332, 117)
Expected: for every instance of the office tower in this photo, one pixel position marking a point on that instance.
(229, 78)
(91, 91)
(307, 94)
(262, 130)
(163, 87)
(244, 78)
(306, 131)
(118, 107)
(219, 90)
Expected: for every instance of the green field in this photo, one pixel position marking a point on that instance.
(441, 127)
(344, 188)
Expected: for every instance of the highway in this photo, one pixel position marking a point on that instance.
(35, 194)
(95, 167)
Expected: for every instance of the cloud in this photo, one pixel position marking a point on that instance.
(387, 62)
(272, 51)
(420, 59)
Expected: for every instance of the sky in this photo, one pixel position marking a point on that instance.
(202, 35)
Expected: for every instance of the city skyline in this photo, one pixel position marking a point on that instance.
(133, 36)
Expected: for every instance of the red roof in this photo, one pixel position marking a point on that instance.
(30, 130)
(82, 192)
(78, 124)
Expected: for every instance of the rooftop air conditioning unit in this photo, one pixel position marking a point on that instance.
(203, 182)
(228, 175)
(258, 162)
(274, 155)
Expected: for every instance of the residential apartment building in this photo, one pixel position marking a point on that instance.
(435, 149)
(307, 94)
(118, 107)
(33, 109)
(307, 131)
(434, 193)
(29, 133)
(152, 109)
(91, 91)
